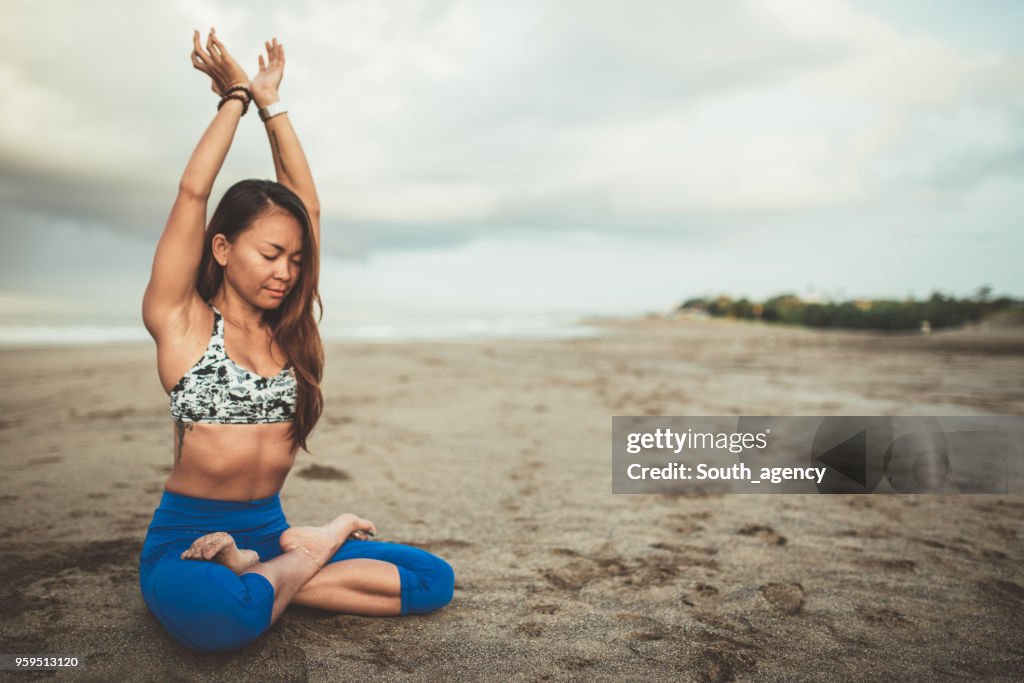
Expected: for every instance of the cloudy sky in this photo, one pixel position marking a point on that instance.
(534, 157)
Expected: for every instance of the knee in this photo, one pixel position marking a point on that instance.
(433, 589)
(211, 613)
(445, 583)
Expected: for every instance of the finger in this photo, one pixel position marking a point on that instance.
(198, 63)
(195, 44)
(198, 49)
(209, 43)
(262, 65)
(220, 46)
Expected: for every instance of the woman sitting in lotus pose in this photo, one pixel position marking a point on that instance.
(220, 563)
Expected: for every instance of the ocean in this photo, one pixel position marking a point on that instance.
(537, 327)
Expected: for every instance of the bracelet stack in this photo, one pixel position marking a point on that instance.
(233, 94)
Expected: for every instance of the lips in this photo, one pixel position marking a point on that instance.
(276, 291)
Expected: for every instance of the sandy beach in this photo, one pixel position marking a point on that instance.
(496, 456)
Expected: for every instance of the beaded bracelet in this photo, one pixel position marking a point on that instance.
(233, 96)
(238, 87)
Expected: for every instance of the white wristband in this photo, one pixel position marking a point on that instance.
(271, 110)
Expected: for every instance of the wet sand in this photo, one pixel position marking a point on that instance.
(496, 456)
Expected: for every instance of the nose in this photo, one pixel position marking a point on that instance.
(283, 271)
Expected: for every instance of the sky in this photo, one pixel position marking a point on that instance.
(533, 157)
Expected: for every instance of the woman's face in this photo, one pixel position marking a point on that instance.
(264, 262)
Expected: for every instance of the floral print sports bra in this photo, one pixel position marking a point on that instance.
(218, 390)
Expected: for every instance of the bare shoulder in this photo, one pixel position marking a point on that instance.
(182, 334)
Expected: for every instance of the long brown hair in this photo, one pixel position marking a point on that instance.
(294, 326)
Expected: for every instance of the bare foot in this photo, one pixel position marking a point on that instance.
(220, 547)
(319, 542)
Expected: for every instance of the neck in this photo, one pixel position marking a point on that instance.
(237, 312)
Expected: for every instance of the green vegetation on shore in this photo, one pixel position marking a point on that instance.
(869, 314)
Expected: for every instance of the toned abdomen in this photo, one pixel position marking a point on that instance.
(230, 462)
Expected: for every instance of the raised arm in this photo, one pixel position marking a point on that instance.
(172, 281)
(289, 160)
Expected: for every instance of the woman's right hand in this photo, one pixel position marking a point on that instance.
(359, 526)
(216, 63)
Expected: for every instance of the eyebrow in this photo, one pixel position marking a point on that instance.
(280, 248)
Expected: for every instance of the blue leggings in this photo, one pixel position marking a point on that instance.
(207, 607)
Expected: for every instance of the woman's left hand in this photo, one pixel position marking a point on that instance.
(265, 84)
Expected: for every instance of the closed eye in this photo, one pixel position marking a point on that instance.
(271, 258)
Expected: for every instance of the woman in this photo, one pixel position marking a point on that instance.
(220, 563)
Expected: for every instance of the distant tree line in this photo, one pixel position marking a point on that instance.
(872, 314)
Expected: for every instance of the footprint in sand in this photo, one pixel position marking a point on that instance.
(765, 533)
(705, 590)
(787, 598)
(882, 616)
(1006, 593)
(324, 472)
(892, 564)
(701, 592)
(47, 460)
(994, 555)
(647, 628)
(530, 629)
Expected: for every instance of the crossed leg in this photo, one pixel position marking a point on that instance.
(207, 606)
(377, 578)
(358, 586)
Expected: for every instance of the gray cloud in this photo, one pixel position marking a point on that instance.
(453, 94)
(433, 125)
